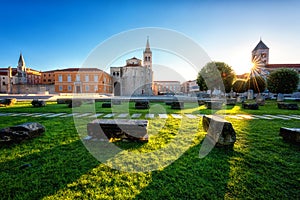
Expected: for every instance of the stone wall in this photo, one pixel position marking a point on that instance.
(33, 89)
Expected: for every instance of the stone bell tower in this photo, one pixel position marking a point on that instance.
(148, 55)
(260, 54)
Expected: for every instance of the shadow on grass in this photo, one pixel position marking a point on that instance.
(46, 172)
(268, 167)
(190, 177)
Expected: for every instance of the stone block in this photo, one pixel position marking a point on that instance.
(177, 105)
(288, 106)
(21, 132)
(215, 105)
(250, 106)
(291, 135)
(106, 105)
(8, 101)
(107, 129)
(231, 102)
(38, 103)
(142, 104)
(219, 130)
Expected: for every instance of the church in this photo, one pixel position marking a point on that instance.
(260, 58)
(136, 77)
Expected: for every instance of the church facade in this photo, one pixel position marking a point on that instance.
(136, 77)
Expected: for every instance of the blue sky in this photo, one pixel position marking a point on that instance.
(54, 34)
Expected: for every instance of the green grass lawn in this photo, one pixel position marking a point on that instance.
(260, 166)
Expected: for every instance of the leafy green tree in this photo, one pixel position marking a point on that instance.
(256, 83)
(239, 86)
(211, 73)
(283, 81)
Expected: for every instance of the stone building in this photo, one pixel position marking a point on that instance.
(260, 58)
(14, 79)
(135, 78)
(82, 80)
(166, 87)
(48, 77)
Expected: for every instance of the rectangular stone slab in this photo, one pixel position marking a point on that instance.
(134, 130)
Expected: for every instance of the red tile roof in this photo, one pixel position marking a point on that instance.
(282, 66)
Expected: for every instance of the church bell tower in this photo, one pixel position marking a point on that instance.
(148, 56)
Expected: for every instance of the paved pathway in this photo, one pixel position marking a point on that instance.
(149, 116)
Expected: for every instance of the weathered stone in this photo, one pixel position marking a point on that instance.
(201, 102)
(280, 97)
(288, 106)
(62, 101)
(241, 99)
(231, 102)
(8, 101)
(116, 102)
(215, 105)
(73, 103)
(37, 103)
(219, 130)
(168, 103)
(21, 132)
(177, 105)
(260, 100)
(107, 129)
(106, 105)
(142, 104)
(251, 106)
(291, 135)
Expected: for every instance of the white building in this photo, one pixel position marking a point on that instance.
(135, 78)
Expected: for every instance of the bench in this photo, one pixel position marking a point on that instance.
(106, 105)
(288, 106)
(250, 106)
(177, 105)
(108, 129)
(291, 135)
(216, 105)
(142, 104)
(37, 103)
(213, 124)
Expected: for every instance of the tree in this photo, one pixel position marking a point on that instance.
(239, 86)
(283, 81)
(256, 83)
(214, 71)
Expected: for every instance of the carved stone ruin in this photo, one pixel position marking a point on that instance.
(260, 100)
(231, 102)
(38, 103)
(8, 102)
(177, 105)
(72, 103)
(280, 97)
(21, 132)
(288, 106)
(250, 106)
(107, 129)
(116, 102)
(291, 135)
(142, 104)
(215, 105)
(106, 105)
(219, 130)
